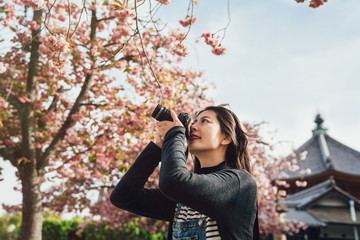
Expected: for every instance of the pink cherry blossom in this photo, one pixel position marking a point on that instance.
(35, 4)
(24, 99)
(37, 145)
(11, 14)
(56, 43)
(188, 21)
(165, 2)
(219, 50)
(61, 68)
(34, 26)
(301, 183)
(2, 67)
(314, 3)
(135, 71)
(125, 15)
(210, 39)
(77, 117)
(180, 50)
(62, 18)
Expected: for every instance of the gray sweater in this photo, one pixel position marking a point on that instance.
(227, 195)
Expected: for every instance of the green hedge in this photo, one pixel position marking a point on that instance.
(54, 228)
(60, 229)
(66, 230)
(5, 221)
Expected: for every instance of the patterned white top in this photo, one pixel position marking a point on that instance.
(187, 214)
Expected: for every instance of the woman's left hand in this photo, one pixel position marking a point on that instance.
(165, 126)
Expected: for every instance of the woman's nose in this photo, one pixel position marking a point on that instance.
(193, 127)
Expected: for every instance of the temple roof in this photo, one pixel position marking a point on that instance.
(310, 196)
(325, 203)
(322, 153)
(304, 217)
(322, 204)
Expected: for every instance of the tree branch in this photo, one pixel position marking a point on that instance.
(94, 104)
(82, 95)
(143, 48)
(67, 124)
(82, 152)
(110, 65)
(13, 100)
(8, 153)
(27, 114)
(107, 18)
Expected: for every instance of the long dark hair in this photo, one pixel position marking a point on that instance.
(237, 154)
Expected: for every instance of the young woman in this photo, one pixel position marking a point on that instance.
(217, 201)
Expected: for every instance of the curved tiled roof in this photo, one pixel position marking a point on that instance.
(343, 158)
(303, 205)
(306, 196)
(310, 195)
(301, 216)
(321, 154)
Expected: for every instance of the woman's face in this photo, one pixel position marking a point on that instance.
(205, 133)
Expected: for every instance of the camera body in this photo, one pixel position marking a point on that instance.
(162, 113)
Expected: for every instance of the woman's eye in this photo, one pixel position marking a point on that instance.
(204, 120)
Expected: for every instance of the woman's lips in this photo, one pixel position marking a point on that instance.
(194, 137)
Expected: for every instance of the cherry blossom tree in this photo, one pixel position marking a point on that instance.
(78, 82)
(268, 170)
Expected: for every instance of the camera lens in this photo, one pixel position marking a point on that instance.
(161, 113)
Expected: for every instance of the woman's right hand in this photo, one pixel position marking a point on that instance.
(159, 140)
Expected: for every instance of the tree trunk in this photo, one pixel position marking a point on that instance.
(31, 228)
(32, 219)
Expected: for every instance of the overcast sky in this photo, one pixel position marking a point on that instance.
(285, 63)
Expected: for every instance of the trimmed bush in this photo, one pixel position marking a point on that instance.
(56, 228)
(60, 229)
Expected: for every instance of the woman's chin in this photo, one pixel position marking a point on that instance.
(193, 149)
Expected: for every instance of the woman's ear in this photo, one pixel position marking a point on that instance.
(226, 141)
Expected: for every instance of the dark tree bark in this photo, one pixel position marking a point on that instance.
(31, 165)
(31, 228)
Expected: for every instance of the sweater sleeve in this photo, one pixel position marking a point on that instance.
(215, 194)
(130, 194)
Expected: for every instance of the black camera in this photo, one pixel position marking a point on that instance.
(162, 113)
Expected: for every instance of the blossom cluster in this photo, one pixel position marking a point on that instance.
(180, 50)
(34, 26)
(165, 2)
(215, 43)
(125, 15)
(314, 3)
(11, 14)
(210, 39)
(2, 67)
(60, 68)
(35, 4)
(56, 44)
(188, 21)
(219, 50)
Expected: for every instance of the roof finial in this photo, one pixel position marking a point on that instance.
(319, 120)
(319, 128)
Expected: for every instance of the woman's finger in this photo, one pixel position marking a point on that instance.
(175, 118)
